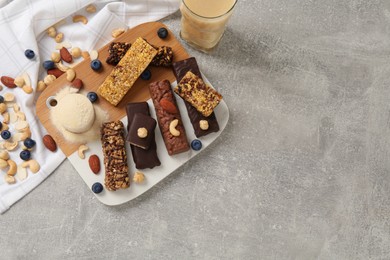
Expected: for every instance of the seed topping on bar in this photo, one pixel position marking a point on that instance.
(200, 95)
(129, 68)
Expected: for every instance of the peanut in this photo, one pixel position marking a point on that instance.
(76, 52)
(59, 37)
(94, 54)
(55, 56)
(70, 75)
(49, 79)
(19, 81)
(204, 124)
(142, 132)
(52, 32)
(41, 86)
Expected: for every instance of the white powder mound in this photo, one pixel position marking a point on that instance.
(75, 117)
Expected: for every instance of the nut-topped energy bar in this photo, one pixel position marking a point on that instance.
(115, 158)
(130, 67)
(168, 117)
(116, 52)
(180, 68)
(193, 90)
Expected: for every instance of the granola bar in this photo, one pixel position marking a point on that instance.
(130, 67)
(167, 111)
(200, 95)
(116, 51)
(180, 68)
(115, 158)
(164, 57)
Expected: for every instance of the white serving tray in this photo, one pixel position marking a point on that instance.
(152, 176)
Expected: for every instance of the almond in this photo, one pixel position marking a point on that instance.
(77, 83)
(56, 72)
(94, 163)
(168, 106)
(65, 55)
(49, 143)
(8, 81)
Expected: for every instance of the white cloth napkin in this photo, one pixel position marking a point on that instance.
(23, 25)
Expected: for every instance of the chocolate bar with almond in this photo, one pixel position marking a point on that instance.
(168, 117)
(142, 158)
(180, 68)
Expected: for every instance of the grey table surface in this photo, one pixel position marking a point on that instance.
(300, 172)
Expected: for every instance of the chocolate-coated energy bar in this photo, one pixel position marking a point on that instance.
(168, 117)
(142, 158)
(180, 68)
(115, 158)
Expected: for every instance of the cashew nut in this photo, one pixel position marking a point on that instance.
(52, 32)
(62, 67)
(41, 86)
(21, 126)
(32, 164)
(19, 81)
(80, 18)
(26, 78)
(94, 54)
(9, 97)
(9, 179)
(117, 32)
(81, 150)
(3, 164)
(21, 173)
(3, 108)
(27, 89)
(12, 167)
(90, 8)
(49, 79)
(21, 116)
(16, 108)
(6, 117)
(59, 46)
(10, 145)
(76, 52)
(59, 37)
(172, 127)
(4, 155)
(55, 56)
(4, 127)
(67, 45)
(70, 75)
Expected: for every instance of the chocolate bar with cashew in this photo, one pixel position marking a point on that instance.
(168, 117)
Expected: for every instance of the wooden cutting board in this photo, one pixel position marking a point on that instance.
(92, 80)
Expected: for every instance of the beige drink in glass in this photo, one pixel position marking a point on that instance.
(203, 22)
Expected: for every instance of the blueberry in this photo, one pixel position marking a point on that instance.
(29, 54)
(5, 134)
(48, 65)
(1, 99)
(162, 33)
(92, 96)
(196, 145)
(146, 75)
(25, 155)
(96, 65)
(29, 143)
(97, 187)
